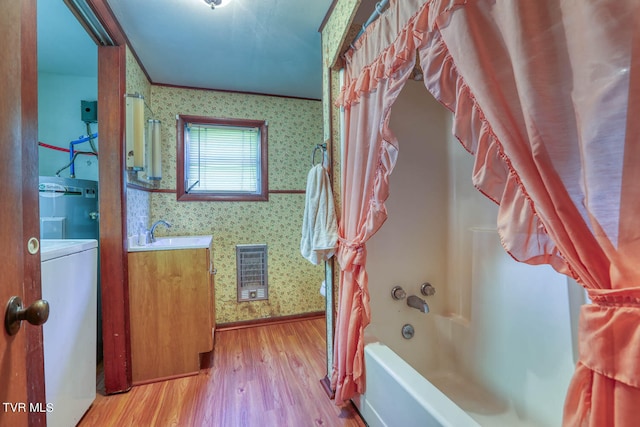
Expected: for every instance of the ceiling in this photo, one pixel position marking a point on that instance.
(267, 47)
(255, 46)
(64, 47)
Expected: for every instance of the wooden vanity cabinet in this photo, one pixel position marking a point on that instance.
(172, 312)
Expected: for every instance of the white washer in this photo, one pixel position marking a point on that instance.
(69, 284)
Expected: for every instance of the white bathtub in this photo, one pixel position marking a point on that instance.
(398, 395)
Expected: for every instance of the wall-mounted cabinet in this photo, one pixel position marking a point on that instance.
(171, 299)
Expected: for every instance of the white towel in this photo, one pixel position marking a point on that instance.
(319, 225)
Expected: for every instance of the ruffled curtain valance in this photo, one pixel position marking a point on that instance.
(542, 94)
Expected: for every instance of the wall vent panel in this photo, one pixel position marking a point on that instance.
(251, 262)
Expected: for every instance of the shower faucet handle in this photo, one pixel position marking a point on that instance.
(427, 290)
(397, 293)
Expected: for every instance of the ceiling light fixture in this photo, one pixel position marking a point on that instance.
(217, 3)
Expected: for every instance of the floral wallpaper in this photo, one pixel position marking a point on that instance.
(294, 127)
(338, 29)
(136, 80)
(294, 283)
(138, 202)
(333, 33)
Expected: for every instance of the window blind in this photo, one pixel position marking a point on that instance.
(222, 159)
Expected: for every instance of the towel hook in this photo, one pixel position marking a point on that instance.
(322, 148)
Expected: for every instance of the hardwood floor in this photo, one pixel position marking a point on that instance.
(261, 376)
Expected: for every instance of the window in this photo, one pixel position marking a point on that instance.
(221, 159)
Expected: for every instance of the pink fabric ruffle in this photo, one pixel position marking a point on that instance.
(348, 377)
(396, 55)
(522, 233)
(608, 371)
(610, 336)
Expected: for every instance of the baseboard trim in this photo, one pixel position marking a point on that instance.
(221, 327)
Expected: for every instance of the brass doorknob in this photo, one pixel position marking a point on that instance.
(36, 314)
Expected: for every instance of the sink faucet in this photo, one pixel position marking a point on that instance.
(152, 230)
(417, 302)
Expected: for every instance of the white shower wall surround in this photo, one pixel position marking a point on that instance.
(509, 365)
(496, 347)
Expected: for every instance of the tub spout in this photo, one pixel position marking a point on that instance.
(417, 302)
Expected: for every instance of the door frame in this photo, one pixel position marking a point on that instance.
(97, 18)
(112, 204)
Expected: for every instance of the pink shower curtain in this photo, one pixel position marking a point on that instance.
(546, 96)
(366, 166)
(370, 153)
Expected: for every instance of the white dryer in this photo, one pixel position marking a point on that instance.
(69, 284)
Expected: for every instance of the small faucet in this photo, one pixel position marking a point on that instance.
(152, 230)
(417, 302)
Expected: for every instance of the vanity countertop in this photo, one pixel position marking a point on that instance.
(170, 243)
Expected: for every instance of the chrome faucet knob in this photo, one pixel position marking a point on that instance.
(427, 290)
(397, 293)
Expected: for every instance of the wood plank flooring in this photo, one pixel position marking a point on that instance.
(256, 377)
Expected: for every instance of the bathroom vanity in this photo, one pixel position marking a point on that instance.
(171, 305)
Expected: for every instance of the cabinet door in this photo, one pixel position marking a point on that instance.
(170, 306)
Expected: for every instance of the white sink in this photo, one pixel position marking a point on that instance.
(171, 243)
